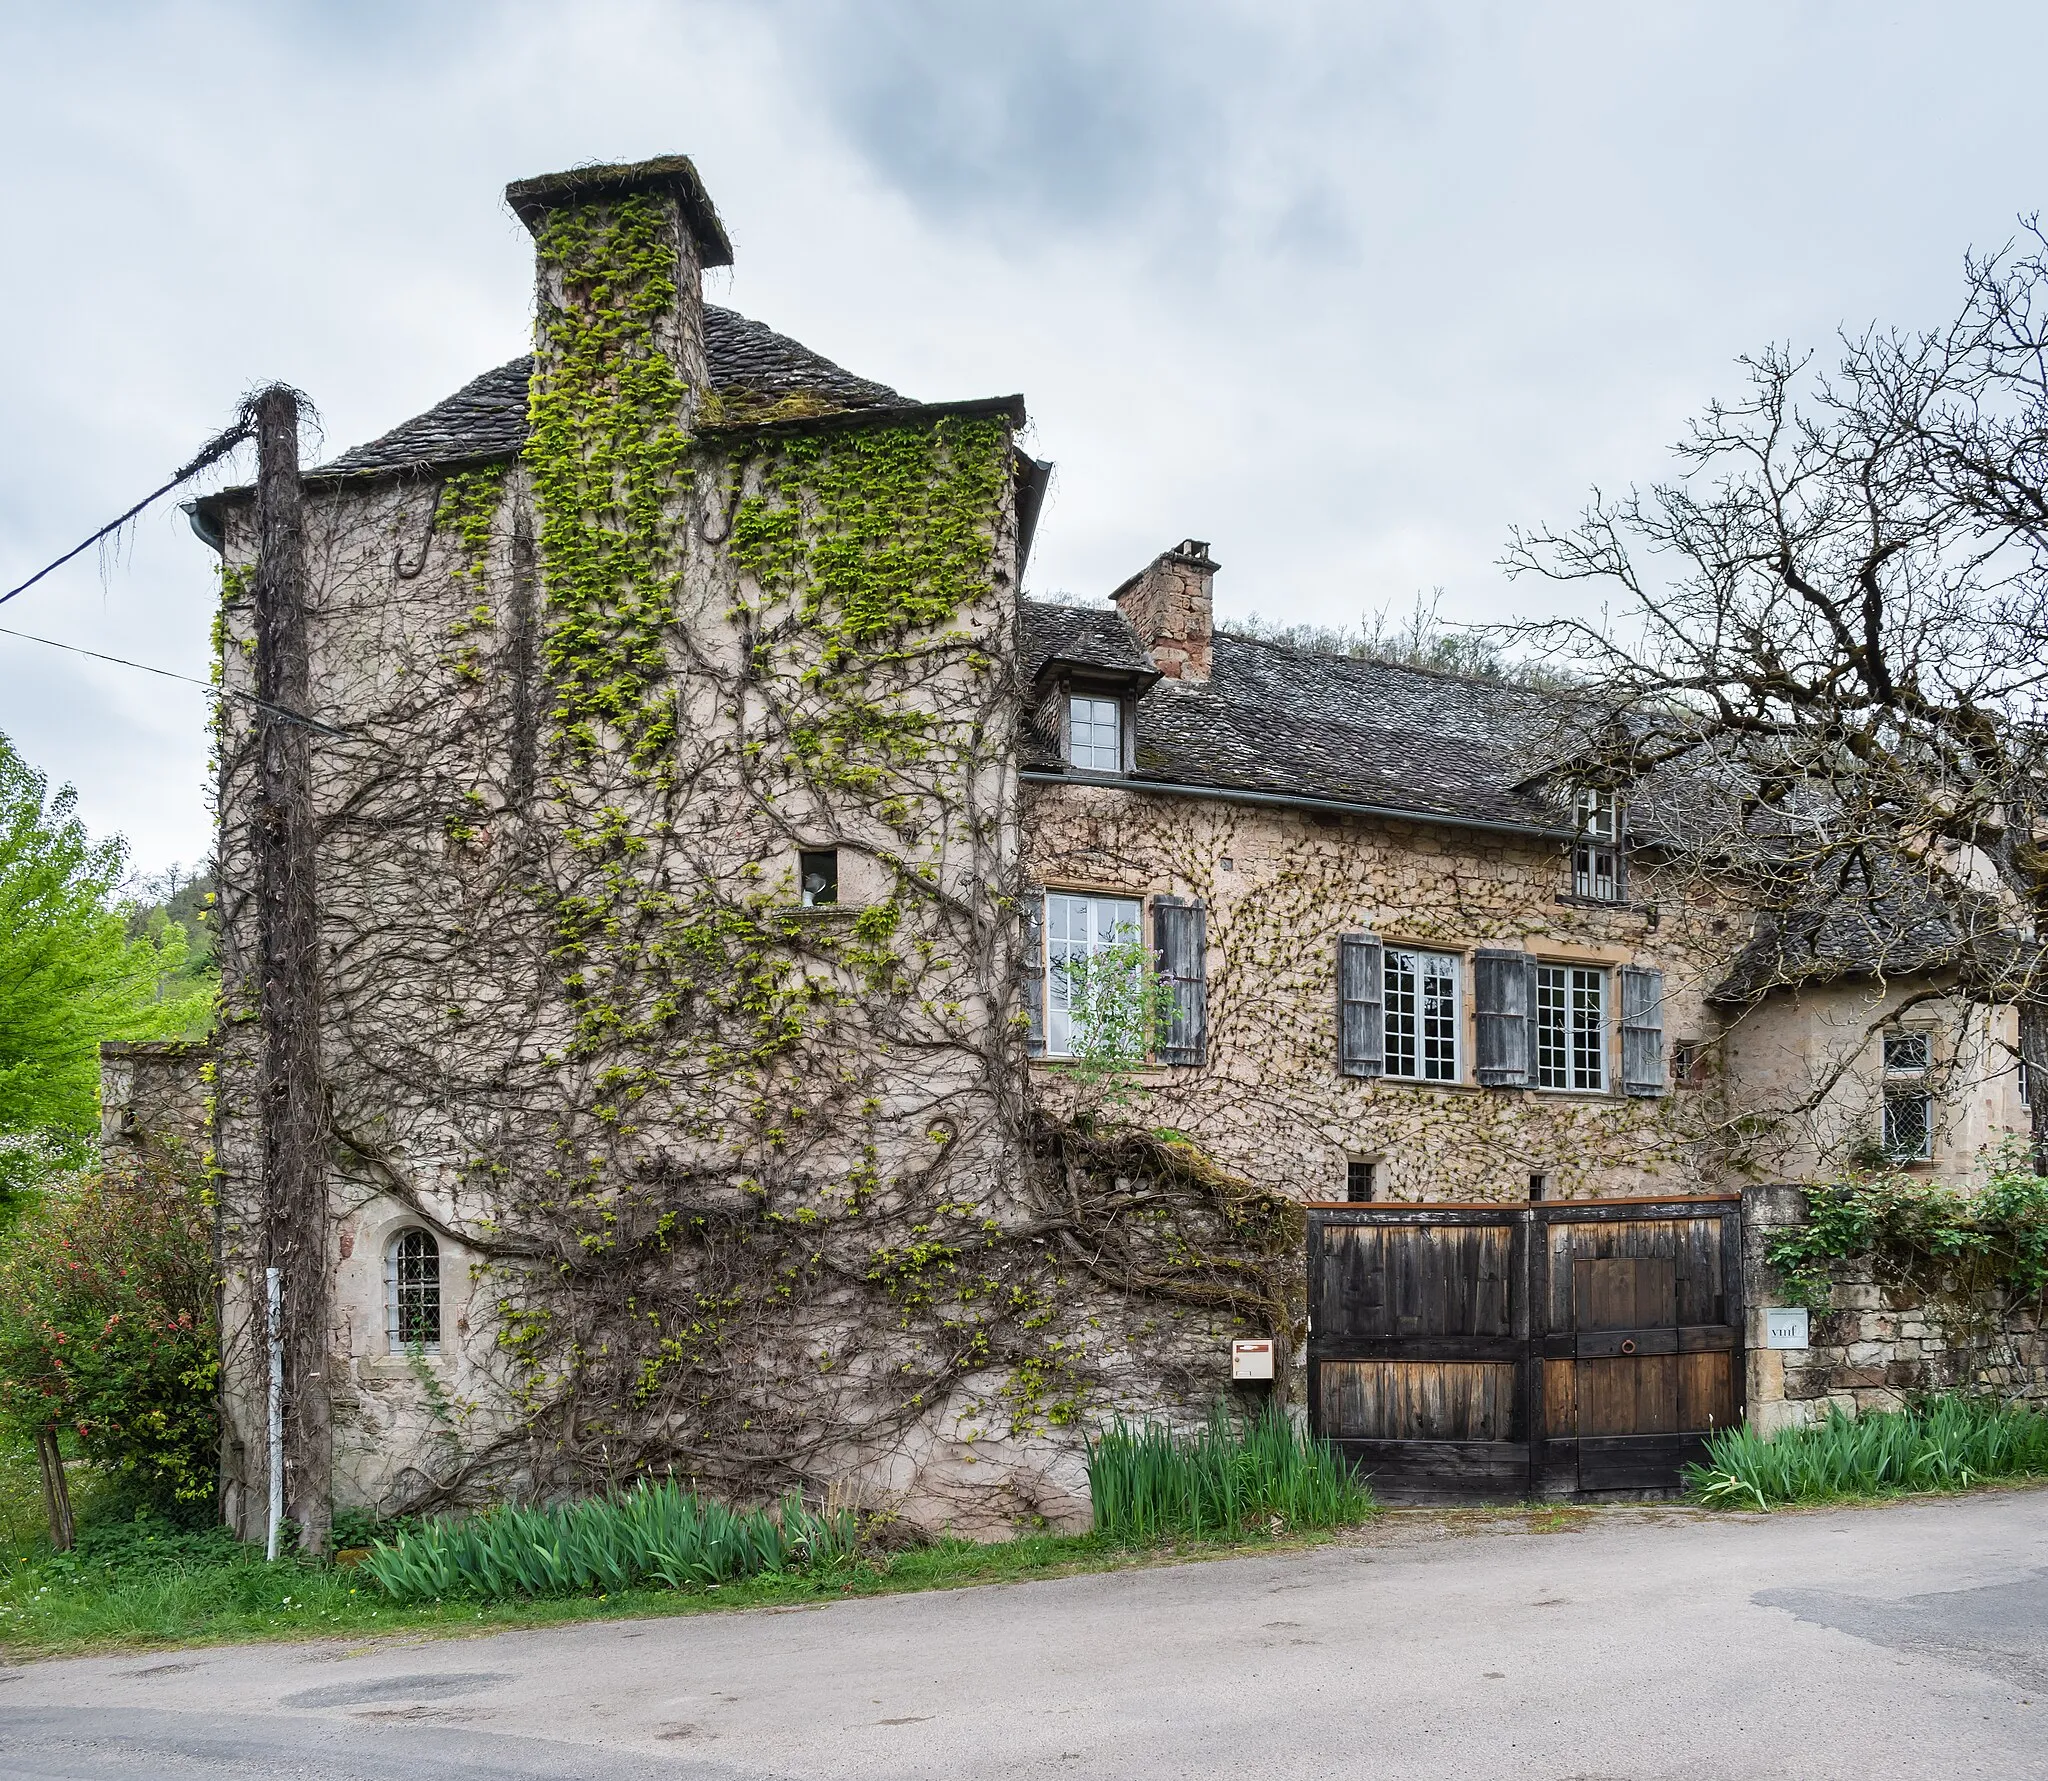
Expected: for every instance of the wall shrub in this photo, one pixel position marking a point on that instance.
(109, 1328)
(1993, 1238)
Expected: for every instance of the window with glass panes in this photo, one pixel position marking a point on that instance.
(1095, 733)
(412, 1292)
(1076, 928)
(1596, 855)
(1421, 1000)
(1908, 1103)
(1571, 1027)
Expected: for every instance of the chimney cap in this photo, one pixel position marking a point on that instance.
(532, 199)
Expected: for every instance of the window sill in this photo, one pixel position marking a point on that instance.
(1574, 900)
(397, 1366)
(1144, 1072)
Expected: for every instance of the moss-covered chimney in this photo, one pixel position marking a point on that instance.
(646, 231)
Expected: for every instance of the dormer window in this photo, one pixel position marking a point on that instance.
(1597, 871)
(1095, 732)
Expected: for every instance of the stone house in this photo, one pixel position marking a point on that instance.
(707, 826)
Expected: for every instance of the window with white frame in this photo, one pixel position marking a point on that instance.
(1077, 929)
(1908, 1096)
(1571, 1027)
(412, 1292)
(1095, 737)
(1421, 999)
(1596, 855)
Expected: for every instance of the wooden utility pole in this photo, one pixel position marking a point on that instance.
(291, 1094)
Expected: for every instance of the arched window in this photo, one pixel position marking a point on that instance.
(412, 1291)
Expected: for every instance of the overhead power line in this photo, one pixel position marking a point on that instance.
(206, 686)
(210, 454)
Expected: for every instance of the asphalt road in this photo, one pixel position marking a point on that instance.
(1882, 1644)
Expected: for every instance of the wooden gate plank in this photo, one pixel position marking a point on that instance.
(1556, 1348)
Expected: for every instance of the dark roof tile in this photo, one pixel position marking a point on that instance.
(1271, 719)
(756, 373)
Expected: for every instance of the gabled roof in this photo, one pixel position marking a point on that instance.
(1083, 637)
(1282, 722)
(756, 373)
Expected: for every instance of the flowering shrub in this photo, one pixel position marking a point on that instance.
(109, 1328)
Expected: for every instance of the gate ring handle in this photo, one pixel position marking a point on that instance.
(1628, 1345)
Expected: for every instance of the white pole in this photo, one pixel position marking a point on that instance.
(274, 1321)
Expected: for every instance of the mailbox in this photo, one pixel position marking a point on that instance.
(1251, 1360)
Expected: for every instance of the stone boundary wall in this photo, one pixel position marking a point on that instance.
(1882, 1339)
(153, 1093)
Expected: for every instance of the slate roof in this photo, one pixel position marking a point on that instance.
(756, 372)
(1276, 720)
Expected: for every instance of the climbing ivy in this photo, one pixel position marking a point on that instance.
(749, 1188)
(1992, 1239)
(608, 453)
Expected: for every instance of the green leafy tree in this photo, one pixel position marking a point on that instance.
(109, 1330)
(1122, 1012)
(71, 973)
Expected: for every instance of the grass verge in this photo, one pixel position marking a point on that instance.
(1235, 1486)
(1944, 1443)
(207, 1589)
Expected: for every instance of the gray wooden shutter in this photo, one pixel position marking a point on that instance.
(1180, 944)
(1031, 970)
(1361, 1012)
(1642, 1030)
(1504, 993)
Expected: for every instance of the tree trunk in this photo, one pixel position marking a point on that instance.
(2034, 1059)
(56, 1489)
(293, 1100)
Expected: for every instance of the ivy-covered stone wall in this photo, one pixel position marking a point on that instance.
(724, 1187)
(1885, 1329)
(1280, 886)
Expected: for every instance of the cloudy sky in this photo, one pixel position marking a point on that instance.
(1347, 289)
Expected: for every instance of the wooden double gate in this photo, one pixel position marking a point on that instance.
(1560, 1349)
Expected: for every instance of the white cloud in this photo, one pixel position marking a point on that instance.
(1347, 289)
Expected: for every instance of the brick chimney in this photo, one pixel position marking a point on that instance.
(690, 223)
(1171, 605)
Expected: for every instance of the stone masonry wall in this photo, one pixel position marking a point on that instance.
(1279, 886)
(1881, 1339)
(153, 1097)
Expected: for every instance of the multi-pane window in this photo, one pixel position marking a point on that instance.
(1908, 1054)
(1358, 1179)
(1422, 1015)
(1908, 1102)
(412, 1291)
(1571, 1027)
(1078, 929)
(1596, 855)
(1908, 1124)
(1095, 733)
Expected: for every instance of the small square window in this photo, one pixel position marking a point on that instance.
(1689, 1064)
(1095, 737)
(1539, 1187)
(1908, 1054)
(1360, 1178)
(818, 878)
(1908, 1127)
